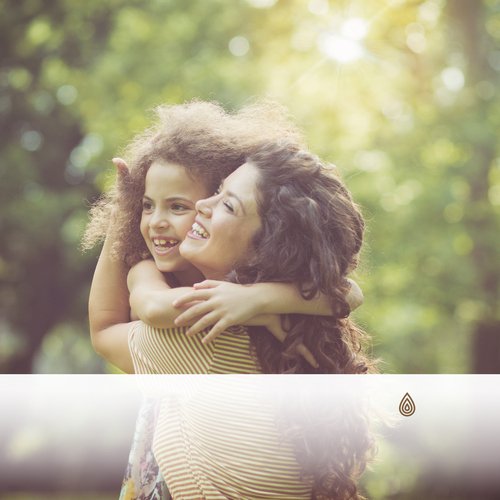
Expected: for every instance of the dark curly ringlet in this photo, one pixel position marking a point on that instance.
(311, 233)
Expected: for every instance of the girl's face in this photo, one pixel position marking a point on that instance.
(225, 224)
(168, 212)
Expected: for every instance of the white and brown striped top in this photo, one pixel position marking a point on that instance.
(222, 442)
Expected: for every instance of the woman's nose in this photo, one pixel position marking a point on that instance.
(204, 207)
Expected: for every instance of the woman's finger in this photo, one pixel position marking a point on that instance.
(279, 334)
(194, 296)
(207, 284)
(216, 330)
(307, 355)
(195, 311)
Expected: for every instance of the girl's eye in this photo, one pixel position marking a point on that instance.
(147, 206)
(179, 208)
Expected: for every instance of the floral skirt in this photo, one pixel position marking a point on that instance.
(143, 480)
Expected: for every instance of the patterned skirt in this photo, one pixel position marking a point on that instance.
(143, 480)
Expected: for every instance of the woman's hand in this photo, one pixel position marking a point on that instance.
(274, 326)
(219, 305)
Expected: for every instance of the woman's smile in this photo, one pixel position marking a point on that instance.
(198, 232)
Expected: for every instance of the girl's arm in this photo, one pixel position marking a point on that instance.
(109, 313)
(151, 297)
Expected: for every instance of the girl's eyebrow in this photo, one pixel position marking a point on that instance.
(171, 198)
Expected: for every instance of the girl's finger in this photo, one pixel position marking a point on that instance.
(121, 165)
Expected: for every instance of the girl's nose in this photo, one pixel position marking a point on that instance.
(158, 220)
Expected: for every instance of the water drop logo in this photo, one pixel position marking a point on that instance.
(407, 406)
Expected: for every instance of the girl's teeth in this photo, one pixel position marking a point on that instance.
(165, 243)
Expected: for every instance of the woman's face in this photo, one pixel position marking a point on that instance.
(168, 212)
(224, 225)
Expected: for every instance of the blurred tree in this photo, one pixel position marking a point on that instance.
(402, 96)
(478, 33)
(42, 185)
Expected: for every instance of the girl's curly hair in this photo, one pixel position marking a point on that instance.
(311, 233)
(202, 137)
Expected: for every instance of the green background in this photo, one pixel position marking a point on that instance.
(411, 119)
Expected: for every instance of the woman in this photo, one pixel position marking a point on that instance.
(282, 216)
(195, 146)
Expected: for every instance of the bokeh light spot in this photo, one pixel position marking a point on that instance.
(239, 46)
(66, 94)
(453, 78)
(31, 140)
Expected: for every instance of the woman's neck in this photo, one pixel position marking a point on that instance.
(211, 274)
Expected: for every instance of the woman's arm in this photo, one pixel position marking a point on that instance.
(222, 304)
(152, 300)
(109, 313)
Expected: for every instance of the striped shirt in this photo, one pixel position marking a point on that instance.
(220, 442)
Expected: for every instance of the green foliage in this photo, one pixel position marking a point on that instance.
(411, 121)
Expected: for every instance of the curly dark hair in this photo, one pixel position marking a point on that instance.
(311, 234)
(200, 136)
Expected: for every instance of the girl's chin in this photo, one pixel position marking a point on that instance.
(169, 265)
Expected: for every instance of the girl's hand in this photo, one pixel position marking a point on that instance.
(219, 305)
(122, 170)
(122, 178)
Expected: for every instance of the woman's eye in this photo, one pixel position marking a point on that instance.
(228, 205)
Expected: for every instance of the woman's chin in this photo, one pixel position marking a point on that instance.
(190, 248)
